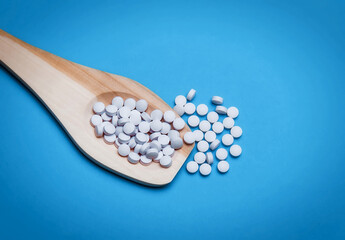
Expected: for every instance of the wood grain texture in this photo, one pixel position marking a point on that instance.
(69, 90)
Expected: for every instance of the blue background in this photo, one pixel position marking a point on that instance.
(280, 62)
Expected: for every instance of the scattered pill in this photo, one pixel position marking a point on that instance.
(160, 155)
(105, 117)
(192, 167)
(166, 127)
(212, 117)
(144, 160)
(179, 110)
(133, 157)
(146, 116)
(111, 110)
(173, 133)
(205, 169)
(130, 103)
(198, 135)
(144, 148)
(204, 125)
(114, 120)
(202, 109)
(191, 94)
(228, 122)
(210, 136)
(135, 117)
(217, 100)
(189, 108)
(168, 151)
(178, 124)
(128, 128)
(189, 138)
(124, 112)
(209, 157)
(217, 127)
(132, 143)
(199, 157)
(151, 153)
(164, 140)
(165, 161)
(95, 120)
(156, 144)
(221, 110)
(180, 100)
(155, 135)
(236, 131)
(193, 121)
(141, 105)
(137, 148)
(223, 166)
(232, 112)
(109, 129)
(110, 139)
(156, 125)
(176, 143)
(227, 139)
(156, 114)
(124, 138)
(221, 154)
(140, 138)
(117, 101)
(123, 150)
(235, 150)
(214, 144)
(203, 146)
(122, 121)
(144, 127)
(118, 130)
(98, 108)
(169, 116)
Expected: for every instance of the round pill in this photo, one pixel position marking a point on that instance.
(202, 109)
(156, 125)
(205, 169)
(145, 160)
(140, 138)
(137, 148)
(160, 155)
(117, 101)
(193, 121)
(212, 117)
(144, 127)
(98, 107)
(151, 153)
(189, 138)
(114, 120)
(141, 105)
(214, 144)
(198, 135)
(210, 136)
(199, 157)
(118, 130)
(228, 122)
(122, 121)
(176, 143)
(236, 131)
(95, 120)
(192, 167)
(164, 140)
(189, 108)
(166, 127)
(135, 117)
(191, 94)
(180, 100)
(223, 166)
(232, 112)
(235, 150)
(169, 116)
(129, 128)
(221, 110)
(146, 116)
(105, 117)
(217, 127)
(178, 124)
(227, 139)
(156, 114)
(221, 154)
(109, 129)
(202, 146)
(133, 157)
(217, 100)
(168, 151)
(132, 143)
(179, 110)
(124, 112)
(173, 133)
(123, 138)
(111, 110)
(204, 125)
(165, 161)
(155, 144)
(155, 135)
(209, 158)
(117, 143)
(130, 103)
(123, 150)
(110, 139)
(144, 148)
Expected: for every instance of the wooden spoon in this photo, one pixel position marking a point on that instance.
(69, 90)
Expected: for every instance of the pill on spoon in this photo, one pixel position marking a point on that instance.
(191, 94)
(160, 155)
(169, 116)
(110, 139)
(140, 138)
(164, 140)
(156, 125)
(202, 109)
(123, 150)
(166, 127)
(117, 101)
(189, 108)
(99, 130)
(98, 108)
(156, 114)
(165, 161)
(178, 124)
(124, 112)
(176, 143)
(212, 117)
(180, 100)
(223, 166)
(189, 138)
(151, 153)
(111, 110)
(114, 120)
(192, 167)
(236, 131)
(135, 117)
(205, 169)
(179, 109)
(168, 151)
(217, 100)
(193, 121)
(173, 133)
(232, 112)
(130, 103)
(145, 160)
(133, 157)
(146, 116)
(235, 150)
(109, 129)
(141, 105)
(95, 120)
(227, 139)
(105, 117)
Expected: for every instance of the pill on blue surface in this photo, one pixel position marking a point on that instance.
(141, 105)
(191, 94)
(202, 146)
(202, 109)
(212, 117)
(228, 122)
(221, 110)
(235, 150)
(99, 108)
(236, 131)
(199, 157)
(198, 135)
(189, 108)
(95, 120)
(117, 101)
(193, 121)
(180, 100)
(214, 144)
(232, 112)
(210, 136)
(209, 157)
(179, 110)
(221, 154)
(205, 169)
(227, 139)
(192, 167)
(223, 166)
(217, 127)
(204, 125)
(217, 100)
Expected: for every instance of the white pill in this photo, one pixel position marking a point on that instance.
(212, 117)
(118, 130)
(236, 131)
(130, 103)
(145, 160)
(95, 120)
(189, 108)
(204, 126)
(198, 135)
(221, 154)
(151, 153)
(135, 117)
(168, 151)
(140, 138)
(123, 150)
(117, 143)
(228, 122)
(110, 139)
(114, 120)
(205, 169)
(217, 100)
(227, 139)
(173, 134)
(193, 121)
(191, 94)
(192, 167)
(179, 110)
(189, 138)
(141, 105)
(132, 143)
(144, 148)
(124, 112)
(169, 116)
(214, 144)
(178, 124)
(129, 128)
(156, 125)
(202, 146)
(164, 140)
(137, 148)
(154, 136)
(235, 150)
(156, 114)
(111, 110)
(209, 157)
(202, 109)
(98, 108)
(117, 101)
(146, 117)
(221, 110)
(165, 161)
(176, 143)
(210, 136)
(109, 129)
(160, 155)
(233, 112)
(144, 127)
(180, 100)
(133, 157)
(217, 127)
(199, 157)
(123, 138)
(155, 144)
(166, 127)
(122, 121)
(223, 166)
(105, 117)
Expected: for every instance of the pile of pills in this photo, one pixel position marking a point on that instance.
(206, 136)
(138, 135)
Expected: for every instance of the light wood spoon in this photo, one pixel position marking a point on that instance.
(69, 90)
